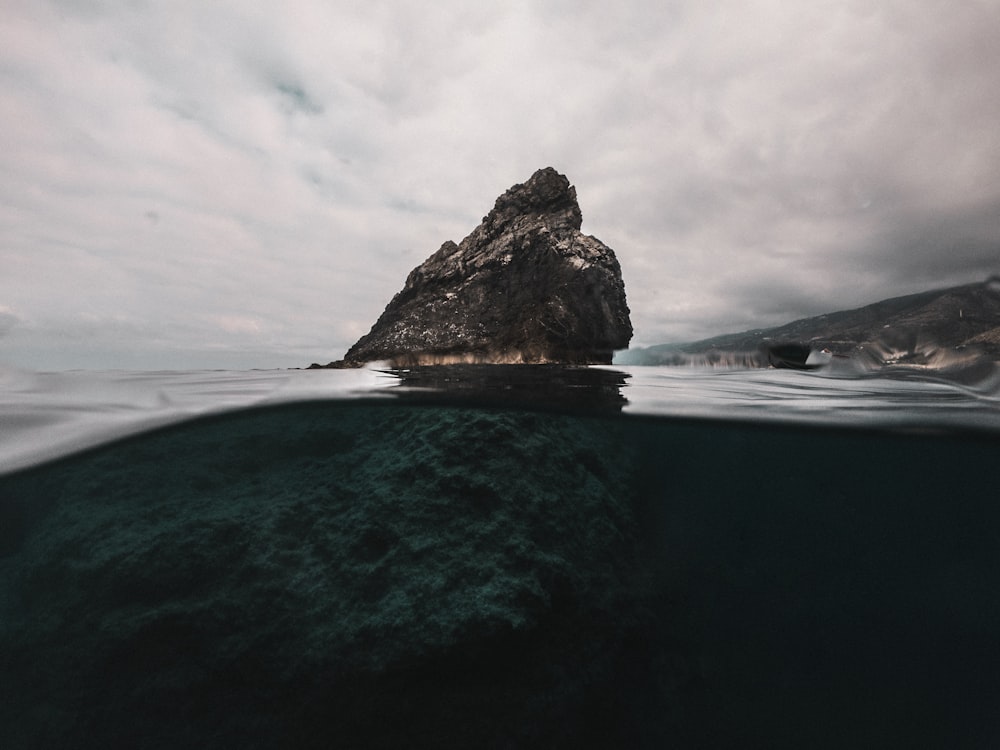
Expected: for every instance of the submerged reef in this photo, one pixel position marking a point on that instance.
(313, 577)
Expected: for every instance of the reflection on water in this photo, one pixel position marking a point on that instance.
(546, 386)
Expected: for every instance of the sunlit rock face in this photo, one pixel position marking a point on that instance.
(526, 286)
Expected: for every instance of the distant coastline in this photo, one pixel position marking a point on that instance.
(901, 329)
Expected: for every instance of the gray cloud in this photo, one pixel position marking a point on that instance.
(7, 321)
(220, 184)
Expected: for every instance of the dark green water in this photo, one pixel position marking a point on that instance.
(349, 575)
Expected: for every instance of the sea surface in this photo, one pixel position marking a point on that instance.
(501, 557)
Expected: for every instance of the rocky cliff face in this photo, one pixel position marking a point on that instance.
(526, 286)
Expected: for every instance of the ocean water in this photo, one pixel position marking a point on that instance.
(501, 557)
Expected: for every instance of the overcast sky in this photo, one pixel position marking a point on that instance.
(226, 184)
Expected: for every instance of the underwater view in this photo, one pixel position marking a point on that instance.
(500, 557)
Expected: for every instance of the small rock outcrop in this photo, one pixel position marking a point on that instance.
(526, 286)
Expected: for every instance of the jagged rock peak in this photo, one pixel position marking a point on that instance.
(547, 193)
(525, 286)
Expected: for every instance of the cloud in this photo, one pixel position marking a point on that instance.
(7, 321)
(175, 172)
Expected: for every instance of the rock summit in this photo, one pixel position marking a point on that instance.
(526, 286)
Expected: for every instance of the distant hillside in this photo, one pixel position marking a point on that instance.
(961, 316)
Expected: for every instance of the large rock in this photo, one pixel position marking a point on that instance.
(527, 286)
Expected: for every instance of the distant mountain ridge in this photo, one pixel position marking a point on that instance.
(953, 318)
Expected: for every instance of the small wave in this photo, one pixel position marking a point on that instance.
(49, 415)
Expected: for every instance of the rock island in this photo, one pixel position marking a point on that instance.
(525, 287)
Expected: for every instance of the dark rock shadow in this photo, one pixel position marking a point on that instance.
(558, 387)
